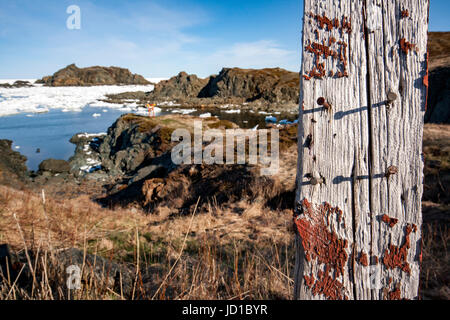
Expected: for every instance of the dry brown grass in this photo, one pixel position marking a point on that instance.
(192, 257)
(438, 49)
(238, 251)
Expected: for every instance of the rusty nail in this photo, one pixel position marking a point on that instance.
(315, 181)
(392, 96)
(391, 170)
(322, 102)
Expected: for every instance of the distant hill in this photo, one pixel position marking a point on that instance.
(92, 76)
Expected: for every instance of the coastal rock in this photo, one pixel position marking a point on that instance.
(16, 84)
(54, 166)
(232, 85)
(274, 85)
(133, 142)
(86, 158)
(181, 86)
(74, 76)
(12, 163)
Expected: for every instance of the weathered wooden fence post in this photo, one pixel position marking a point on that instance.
(362, 101)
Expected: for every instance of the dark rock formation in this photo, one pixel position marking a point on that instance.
(181, 86)
(137, 151)
(54, 166)
(243, 85)
(133, 142)
(438, 106)
(12, 163)
(74, 76)
(274, 85)
(438, 102)
(16, 84)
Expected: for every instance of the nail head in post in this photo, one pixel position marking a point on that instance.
(322, 102)
(391, 170)
(392, 96)
(316, 181)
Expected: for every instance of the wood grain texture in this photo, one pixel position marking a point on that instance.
(354, 58)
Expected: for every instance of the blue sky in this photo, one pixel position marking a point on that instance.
(157, 38)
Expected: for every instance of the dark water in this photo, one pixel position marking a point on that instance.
(51, 132)
(245, 119)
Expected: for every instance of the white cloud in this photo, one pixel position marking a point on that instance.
(253, 54)
(256, 54)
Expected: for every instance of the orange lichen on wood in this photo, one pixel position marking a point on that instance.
(318, 242)
(406, 46)
(395, 294)
(331, 288)
(323, 21)
(346, 25)
(363, 259)
(319, 49)
(405, 13)
(390, 221)
(309, 281)
(397, 257)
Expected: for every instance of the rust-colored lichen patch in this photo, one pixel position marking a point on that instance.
(397, 257)
(406, 46)
(309, 281)
(405, 13)
(323, 246)
(390, 221)
(326, 23)
(395, 294)
(323, 50)
(363, 259)
(329, 287)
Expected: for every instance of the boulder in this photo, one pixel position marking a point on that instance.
(54, 166)
(91, 76)
(12, 163)
(133, 142)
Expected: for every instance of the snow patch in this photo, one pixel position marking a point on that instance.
(41, 99)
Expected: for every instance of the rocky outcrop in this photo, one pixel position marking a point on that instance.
(438, 104)
(91, 76)
(54, 166)
(137, 151)
(274, 85)
(133, 142)
(438, 101)
(181, 86)
(12, 163)
(16, 84)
